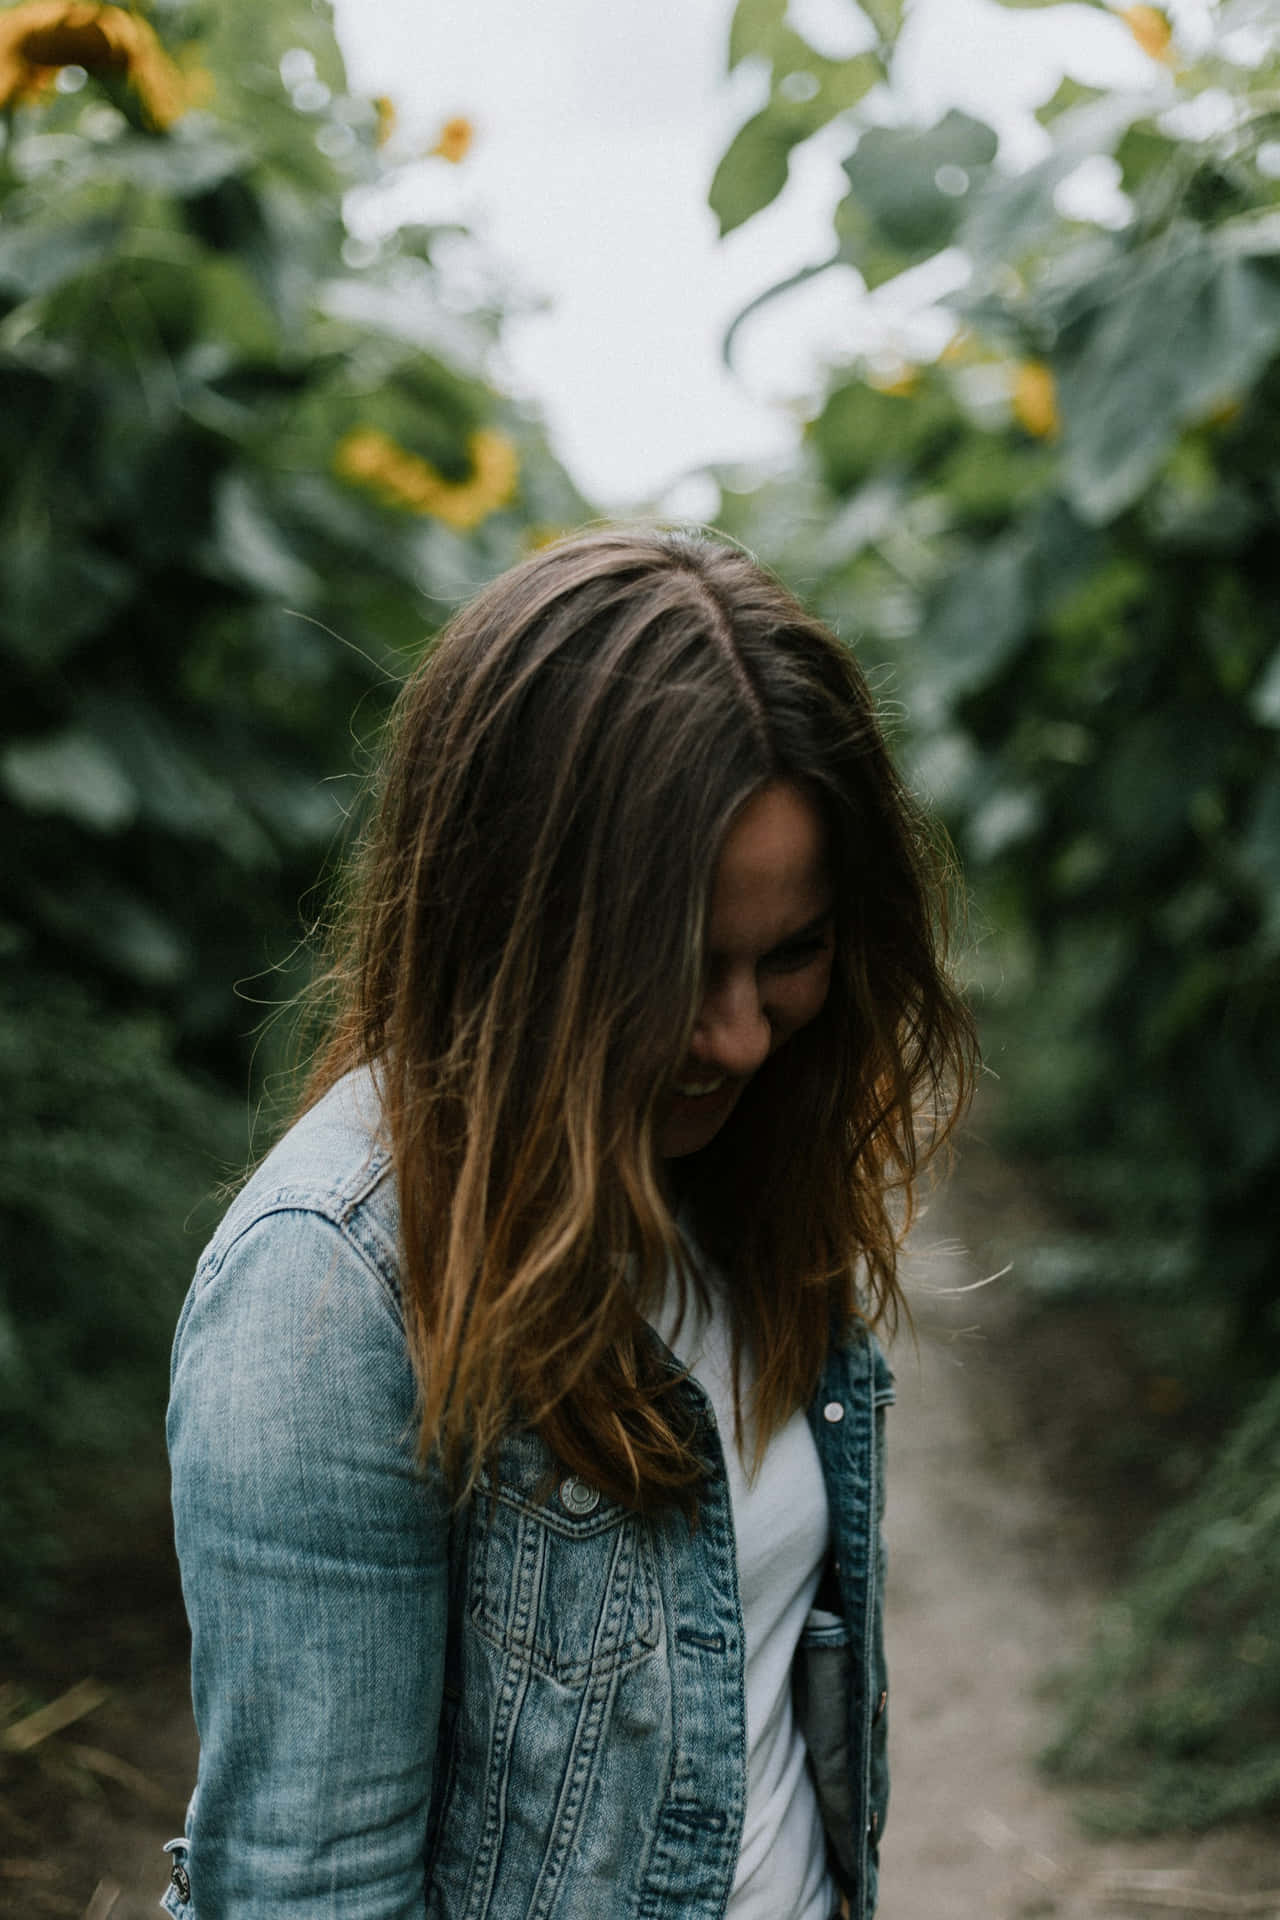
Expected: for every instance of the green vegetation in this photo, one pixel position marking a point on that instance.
(247, 462)
(249, 459)
(1177, 1712)
(1059, 540)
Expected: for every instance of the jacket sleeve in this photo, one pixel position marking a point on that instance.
(314, 1566)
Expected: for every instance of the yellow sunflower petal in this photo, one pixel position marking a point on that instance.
(1151, 29)
(454, 142)
(372, 459)
(38, 38)
(385, 122)
(1035, 400)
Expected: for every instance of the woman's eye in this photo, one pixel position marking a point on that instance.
(794, 958)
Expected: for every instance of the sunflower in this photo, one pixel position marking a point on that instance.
(40, 36)
(1035, 400)
(1151, 29)
(454, 143)
(384, 108)
(372, 459)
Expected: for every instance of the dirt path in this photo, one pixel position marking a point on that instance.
(987, 1594)
(988, 1590)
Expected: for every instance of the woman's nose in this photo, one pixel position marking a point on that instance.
(732, 1031)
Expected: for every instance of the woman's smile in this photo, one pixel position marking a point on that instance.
(698, 1089)
(698, 1106)
(770, 945)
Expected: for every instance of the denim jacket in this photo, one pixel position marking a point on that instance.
(531, 1708)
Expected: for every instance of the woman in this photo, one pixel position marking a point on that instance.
(527, 1421)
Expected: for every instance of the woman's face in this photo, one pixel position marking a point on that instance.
(770, 945)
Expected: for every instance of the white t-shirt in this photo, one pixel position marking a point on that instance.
(781, 1527)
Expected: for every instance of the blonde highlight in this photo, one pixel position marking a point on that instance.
(519, 963)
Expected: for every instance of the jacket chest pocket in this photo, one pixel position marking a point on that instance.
(559, 1575)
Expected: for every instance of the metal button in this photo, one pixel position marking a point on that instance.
(880, 1704)
(833, 1411)
(577, 1497)
(179, 1878)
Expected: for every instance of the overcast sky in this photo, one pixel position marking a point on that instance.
(598, 130)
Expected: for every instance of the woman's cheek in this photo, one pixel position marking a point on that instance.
(803, 1002)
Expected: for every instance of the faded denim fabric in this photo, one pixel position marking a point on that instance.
(532, 1709)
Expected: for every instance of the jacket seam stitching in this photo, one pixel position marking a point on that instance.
(285, 1203)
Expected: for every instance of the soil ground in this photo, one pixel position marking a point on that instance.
(995, 1575)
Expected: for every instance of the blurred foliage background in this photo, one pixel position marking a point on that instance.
(1057, 545)
(247, 464)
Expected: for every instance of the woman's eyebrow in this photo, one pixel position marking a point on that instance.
(809, 931)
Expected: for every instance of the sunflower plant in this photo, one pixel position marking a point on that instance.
(1057, 531)
(247, 461)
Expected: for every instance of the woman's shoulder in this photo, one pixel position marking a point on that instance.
(333, 1168)
(292, 1402)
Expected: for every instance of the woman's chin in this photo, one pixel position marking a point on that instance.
(691, 1121)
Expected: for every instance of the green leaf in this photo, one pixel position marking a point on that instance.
(1144, 783)
(1264, 701)
(182, 163)
(1260, 849)
(118, 925)
(1091, 618)
(1254, 235)
(252, 548)
(1015, 215)
(1068, 94)
(863, 434)
(142, 304)
(837, 85)
(244, 39)
(1169, 344)
(987, 478)
(1005, 819)
(176, 789)
(754, 29)
(861, 246)
(1144, 155)
(886, 17)
(37, 258)
(760, 29)
(980, 620)
(909, 189)
(233, 312)
(753, 168)
(73, 774)
(57, 591)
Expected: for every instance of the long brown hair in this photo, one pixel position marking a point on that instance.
(521, 958)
